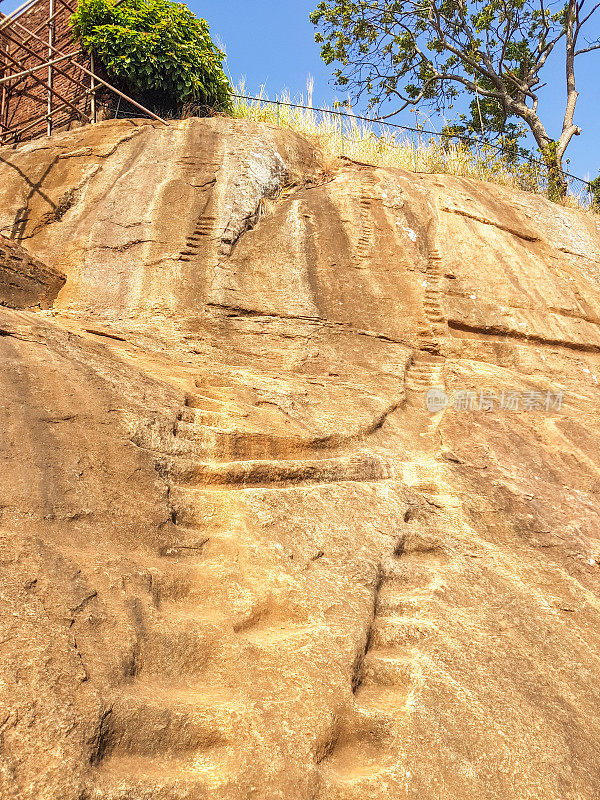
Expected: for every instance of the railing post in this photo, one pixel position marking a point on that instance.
(4, 101)
(93, 113)
(414, 143)
(50, 70)
(477, 154)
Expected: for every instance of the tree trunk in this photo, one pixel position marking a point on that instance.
(557, 182)
(552, 153)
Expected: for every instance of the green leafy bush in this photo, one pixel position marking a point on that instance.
(156, 49)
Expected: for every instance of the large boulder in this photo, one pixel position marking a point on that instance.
(240, 557)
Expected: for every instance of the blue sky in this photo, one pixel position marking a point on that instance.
(270, 44)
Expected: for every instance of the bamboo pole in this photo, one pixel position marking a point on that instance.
(3, 99)
(50, 72)
(93, 112)
(26, 73)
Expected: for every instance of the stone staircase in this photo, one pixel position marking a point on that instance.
(427, 368)
(366, 759)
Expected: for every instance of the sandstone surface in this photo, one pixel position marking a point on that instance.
(240, 558)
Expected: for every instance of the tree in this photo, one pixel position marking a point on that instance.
(155, 48)
(431, 51)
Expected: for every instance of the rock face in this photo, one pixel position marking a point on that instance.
(24, 281)
(240, 557)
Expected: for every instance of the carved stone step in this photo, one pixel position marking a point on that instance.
(197, 416)
(391, 601)
(179, 644)
(155, 720)
(242, 474)
(382, 668)
(143, 778)
(399, 631)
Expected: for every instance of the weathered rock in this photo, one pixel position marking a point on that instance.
(240, 558)
(24, 281)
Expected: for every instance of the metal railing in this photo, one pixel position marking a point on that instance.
(482, 149)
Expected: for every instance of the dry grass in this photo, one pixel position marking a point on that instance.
(376, 144)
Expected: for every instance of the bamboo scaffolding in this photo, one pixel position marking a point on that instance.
(42, 25)
(6, 21)
(19, 45)
(41, 83)
(42, 58)
(69, 8)
(18, 130)
(100, 80)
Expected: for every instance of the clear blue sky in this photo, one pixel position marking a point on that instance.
(270, 44)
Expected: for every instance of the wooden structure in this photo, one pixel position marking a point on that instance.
(46, 82)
